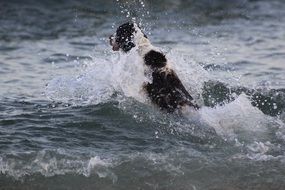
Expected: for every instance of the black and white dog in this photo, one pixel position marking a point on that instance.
(165, 89)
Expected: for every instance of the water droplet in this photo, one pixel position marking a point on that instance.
(274, 106)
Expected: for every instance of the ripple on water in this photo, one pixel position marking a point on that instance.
(92, 129)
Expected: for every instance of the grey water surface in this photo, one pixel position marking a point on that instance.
(70, 117)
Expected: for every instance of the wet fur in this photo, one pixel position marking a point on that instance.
(165, 89)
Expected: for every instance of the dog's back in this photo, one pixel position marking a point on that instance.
(167, 91)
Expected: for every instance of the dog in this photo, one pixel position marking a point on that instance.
(165, 89)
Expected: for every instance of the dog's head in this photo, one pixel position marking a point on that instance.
(124, 37)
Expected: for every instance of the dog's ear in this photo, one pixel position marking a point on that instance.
(125, 36)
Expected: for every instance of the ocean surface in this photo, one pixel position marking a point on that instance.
(72, 115)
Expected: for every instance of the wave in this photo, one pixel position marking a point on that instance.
(104, 80)
(269, 101)
(234, 112)
(61, 168)
(98, 130)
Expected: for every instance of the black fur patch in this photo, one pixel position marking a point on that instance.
(155, 59)
(167, 91)
(124, 36)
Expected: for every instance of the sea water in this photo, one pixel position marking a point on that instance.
(73, 115)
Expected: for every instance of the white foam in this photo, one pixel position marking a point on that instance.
(100, 167)
(100, 80)
(123, 74)
(231, 119)
(190, 73)
(120, 73)
(51, 163)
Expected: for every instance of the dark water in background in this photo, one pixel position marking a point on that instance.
(72, 116)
